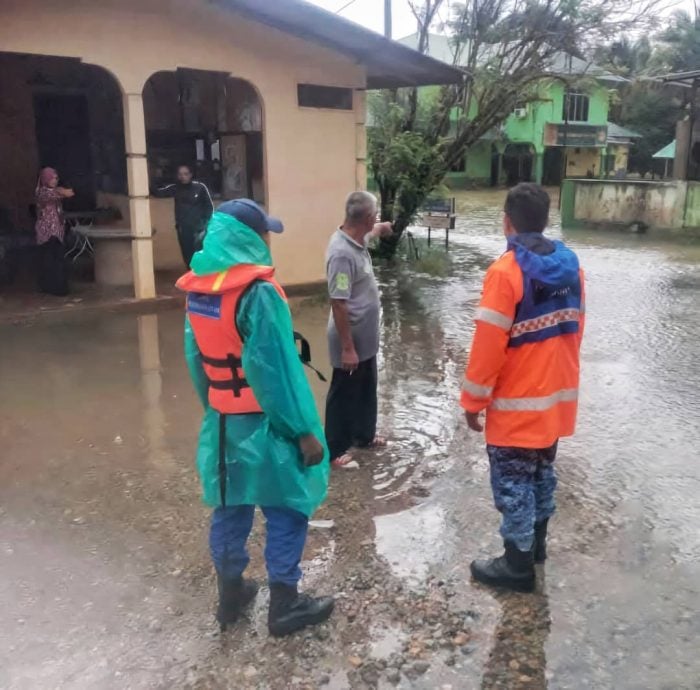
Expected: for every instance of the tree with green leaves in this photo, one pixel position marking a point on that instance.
(646, 107)
(505, 48)
(679, 44)
(648, 110)
(626, 57)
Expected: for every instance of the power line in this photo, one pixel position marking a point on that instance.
(345, 6)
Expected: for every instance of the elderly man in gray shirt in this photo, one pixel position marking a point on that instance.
(353, 331)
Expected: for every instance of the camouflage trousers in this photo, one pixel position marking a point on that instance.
(523, 483)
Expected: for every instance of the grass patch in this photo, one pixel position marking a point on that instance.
(433, 261)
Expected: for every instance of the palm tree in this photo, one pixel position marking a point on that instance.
(624, 57)
(680, 43)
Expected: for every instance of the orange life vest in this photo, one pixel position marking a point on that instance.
(212, 303)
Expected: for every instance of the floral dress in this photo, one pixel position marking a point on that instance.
(49, 212)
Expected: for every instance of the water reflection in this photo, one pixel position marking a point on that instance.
(151, 383)
(412, 541)
(415, 379)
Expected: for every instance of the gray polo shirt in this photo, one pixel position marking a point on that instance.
(351, 278)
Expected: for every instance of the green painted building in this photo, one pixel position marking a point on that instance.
(563, 132)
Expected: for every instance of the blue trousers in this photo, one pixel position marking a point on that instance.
(286, 536)
(523, 483)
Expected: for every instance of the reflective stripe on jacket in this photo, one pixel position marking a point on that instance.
(524, 362)
(212, 303)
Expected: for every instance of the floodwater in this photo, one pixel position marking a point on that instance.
(104, 574)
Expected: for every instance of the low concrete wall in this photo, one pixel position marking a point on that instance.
(662, 205)
(692, 205)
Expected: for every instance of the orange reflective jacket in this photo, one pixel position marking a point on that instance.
(524, 362)
(212, 301)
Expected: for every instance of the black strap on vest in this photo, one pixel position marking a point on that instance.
(236, 380)
(224, 363)
(222, 458)
(232, 363)
(234, 386)
(305, 354)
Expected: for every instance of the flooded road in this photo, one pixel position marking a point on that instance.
(105, 580)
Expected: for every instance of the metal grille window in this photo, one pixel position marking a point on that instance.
(576, 107)
(314, 96)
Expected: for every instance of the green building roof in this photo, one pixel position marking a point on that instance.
(617, 133)
(668, 151)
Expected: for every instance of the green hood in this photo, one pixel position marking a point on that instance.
(228, 242)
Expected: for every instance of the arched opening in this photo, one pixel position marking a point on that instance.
(65, 114)
(211, 122)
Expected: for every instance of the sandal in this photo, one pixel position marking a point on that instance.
(345, 462)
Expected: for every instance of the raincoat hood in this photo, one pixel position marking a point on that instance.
(227, 243)
(548, 261)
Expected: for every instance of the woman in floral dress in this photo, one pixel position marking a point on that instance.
(50, 232)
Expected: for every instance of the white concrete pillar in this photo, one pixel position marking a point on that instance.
(139, 204)
(360, 139)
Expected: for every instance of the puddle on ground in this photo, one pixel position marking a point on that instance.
(103, 536)
(412, 540)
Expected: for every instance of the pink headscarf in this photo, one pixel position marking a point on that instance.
(45, 176)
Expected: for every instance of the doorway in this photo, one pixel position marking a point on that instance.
(518, 163)
(63, 139)
(553, 166)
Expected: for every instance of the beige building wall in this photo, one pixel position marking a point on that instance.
(580, 161)
(621, 153)
(313, 157)
(166, 251)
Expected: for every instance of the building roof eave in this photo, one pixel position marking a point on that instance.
(681, 76)
(388, 64)
(618, 132)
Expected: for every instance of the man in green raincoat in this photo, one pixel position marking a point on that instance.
(261, 441)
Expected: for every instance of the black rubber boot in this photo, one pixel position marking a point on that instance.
(541, 541)
(513, 570)
(291, 611)
(234, 595)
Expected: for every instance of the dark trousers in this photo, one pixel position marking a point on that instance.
(523, 482)
(286, 536)
(351, 408)
(190, 239)
(53, 275)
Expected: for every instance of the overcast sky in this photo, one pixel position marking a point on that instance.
(371, 13)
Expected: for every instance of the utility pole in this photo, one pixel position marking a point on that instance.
(387, 19)
(567, 103)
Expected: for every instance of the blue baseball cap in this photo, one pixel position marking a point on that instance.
(252, 215)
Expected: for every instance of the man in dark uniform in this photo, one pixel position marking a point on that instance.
(193, 209)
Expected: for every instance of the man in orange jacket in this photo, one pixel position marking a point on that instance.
(524, 371)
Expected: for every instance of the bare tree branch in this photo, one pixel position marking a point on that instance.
(507, 48)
